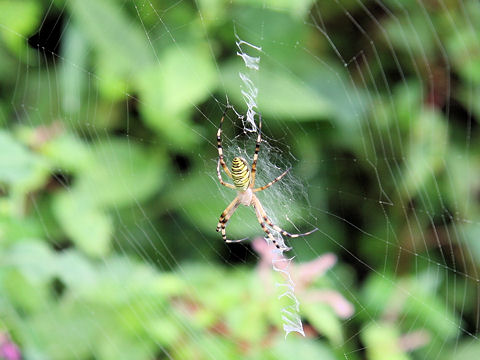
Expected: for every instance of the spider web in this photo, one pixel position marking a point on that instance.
(110, 196)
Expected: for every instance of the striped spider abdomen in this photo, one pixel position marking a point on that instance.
(240, 173)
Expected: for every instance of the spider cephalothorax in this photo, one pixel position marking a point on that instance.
(244, 181)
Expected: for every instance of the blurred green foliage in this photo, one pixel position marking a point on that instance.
(108, 192)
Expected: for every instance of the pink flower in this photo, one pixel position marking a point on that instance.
(302, 275)
(8, 350)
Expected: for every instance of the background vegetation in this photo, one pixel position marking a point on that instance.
(108, 196)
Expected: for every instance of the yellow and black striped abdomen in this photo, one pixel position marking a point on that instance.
(240, 173)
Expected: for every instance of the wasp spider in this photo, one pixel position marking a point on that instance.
(243, 181)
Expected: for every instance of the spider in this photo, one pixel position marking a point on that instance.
(244, 181)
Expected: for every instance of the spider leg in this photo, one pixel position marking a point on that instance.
(227, 213)
(257, 149)
(272, 182)
(230, 186)
(258, 211)
(219, 145)
(225, 216)
(236, 241)
(264, 218)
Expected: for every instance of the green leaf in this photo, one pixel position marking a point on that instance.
(73, 76)
(467, 349)
(16, 228)
(89, 227)
(412, 34)
(76, 272)
(280, 93)
(298, 8)
(54, 331)
(302, 91)
(381, 341)
(20, 169)
(18, 20)
(377, 292)
(416, 300)
(324, 320)
(113, 33)
(127, 347)
(284, 31)
(33, 259)
(470, 233)
(462, 45)
(121, 173)
(301, 348)
(408, 105)
(427, 308)
(428, 146)
(27, 268)
(121, 44)
(248, 322)
(467, 96)
(14, 286)
(184, 77)
(166, 330)
(68, 153)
